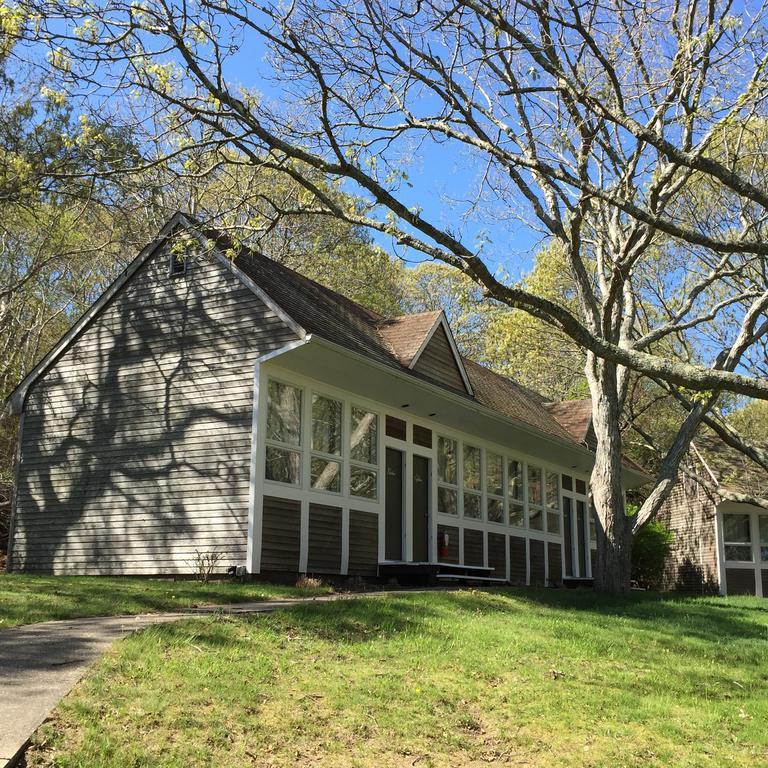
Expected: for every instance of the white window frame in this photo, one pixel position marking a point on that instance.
(336, 458)
(271, 443)
(444, 484)
(475, 492)
(356, 463)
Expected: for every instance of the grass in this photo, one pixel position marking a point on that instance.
(29, 599)
(507, 677)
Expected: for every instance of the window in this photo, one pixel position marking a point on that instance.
(535, 499)
(763, 527)
(515, 492)
(494, 486)
(177, 264)
(447, 480)
(737, 539)
(325, 464)
(363, 475)
(283, 438)
(553, 501)
(471, 479)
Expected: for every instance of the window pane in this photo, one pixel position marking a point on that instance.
(763, 525)
(516, 515)
(740, 552)
(494, 474)
(326, 475)
(365, 430)
(326, 425)
(534, 485)
(736, 528)
(553, 490)
(515, 479)
(446, 460)
(553, 521)
(284, 413)
(283, 466)
(496, 510)
(362, 482)
(472, 505)
(471, 468)
(535, 520)
(447, 501)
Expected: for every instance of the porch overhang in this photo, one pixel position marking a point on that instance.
(337, 366)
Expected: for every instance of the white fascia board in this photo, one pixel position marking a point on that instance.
(462, 402)
(442, 322)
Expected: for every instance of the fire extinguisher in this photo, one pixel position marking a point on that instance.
(443, 549)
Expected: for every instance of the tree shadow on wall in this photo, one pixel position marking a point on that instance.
(137, 443)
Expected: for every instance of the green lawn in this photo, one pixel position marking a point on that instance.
(510, 677)
(28, 599)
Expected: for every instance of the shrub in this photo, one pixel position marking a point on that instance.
(650, 549)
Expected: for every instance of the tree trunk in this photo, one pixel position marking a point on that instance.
(614, 528)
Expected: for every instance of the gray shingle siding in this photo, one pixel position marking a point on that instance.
(136, 442)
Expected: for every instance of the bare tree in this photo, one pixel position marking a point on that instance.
(632, 135)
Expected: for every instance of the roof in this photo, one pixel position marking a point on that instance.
(730, 468)
(317, 310)
(576, 417)
(406, 334)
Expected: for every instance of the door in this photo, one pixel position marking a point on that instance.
(393, 506)
(420, 509)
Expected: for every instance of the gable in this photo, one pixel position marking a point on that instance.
(437, 361)
(157, 252)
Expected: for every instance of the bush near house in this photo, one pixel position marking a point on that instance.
(650, 549)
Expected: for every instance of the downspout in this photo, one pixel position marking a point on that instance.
(255, 496)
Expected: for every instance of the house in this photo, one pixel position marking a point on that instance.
(720, 545)
(229, 406)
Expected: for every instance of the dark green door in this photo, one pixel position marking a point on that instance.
(393, 506)
(420, 509)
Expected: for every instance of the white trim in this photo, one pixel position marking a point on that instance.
(14, 494)
(458, 399)
(258, 447)
(757, 567)
(442, 322)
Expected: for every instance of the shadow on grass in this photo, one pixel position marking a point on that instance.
(670, 617)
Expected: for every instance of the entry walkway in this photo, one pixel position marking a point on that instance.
(40, 663)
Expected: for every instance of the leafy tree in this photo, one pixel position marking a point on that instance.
(601, 123)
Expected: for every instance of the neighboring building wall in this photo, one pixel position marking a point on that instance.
(690, 514)
(136, 443)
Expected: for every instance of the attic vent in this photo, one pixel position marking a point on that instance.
(177, 264)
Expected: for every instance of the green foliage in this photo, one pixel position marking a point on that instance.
(751, 420)
(650, 548)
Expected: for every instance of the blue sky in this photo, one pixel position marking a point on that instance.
(438, 175)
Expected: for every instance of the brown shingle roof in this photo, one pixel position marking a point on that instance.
(393, 341)
(576, 418)
(731, 468)
(405, 334)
